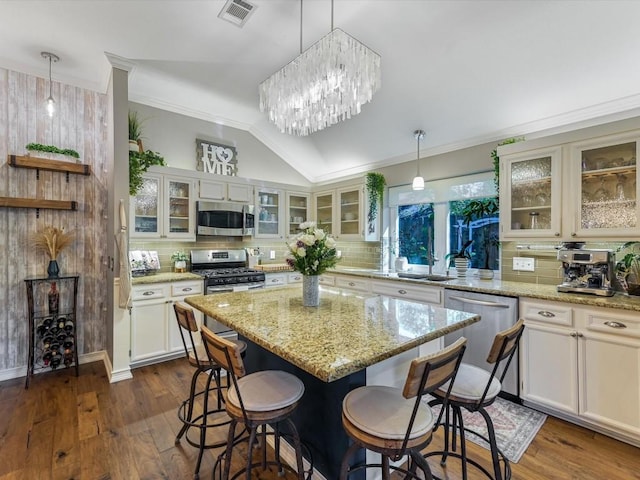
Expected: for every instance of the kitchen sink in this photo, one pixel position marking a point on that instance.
(424, 276)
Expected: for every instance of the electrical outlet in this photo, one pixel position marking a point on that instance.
(524, 263)
(272, 254)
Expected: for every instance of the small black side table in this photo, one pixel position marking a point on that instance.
(52, 334)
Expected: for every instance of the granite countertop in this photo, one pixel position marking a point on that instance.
(506, 288)
(349, 331)
(164, 277)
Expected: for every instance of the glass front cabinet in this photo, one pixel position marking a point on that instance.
(530, 198)
(164, 207)
(605, 187)
(269, 213)
(298, 210)
(324, 214)
(350, 212)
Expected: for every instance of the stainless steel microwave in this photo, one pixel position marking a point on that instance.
(225, 218)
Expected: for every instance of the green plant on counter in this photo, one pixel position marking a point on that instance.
(481, 208)
(38, 147)
(179, 256)
(375, 189)
(462, 253)
(628, 268)
(139, 162)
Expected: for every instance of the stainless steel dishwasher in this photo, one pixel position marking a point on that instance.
(497, 313)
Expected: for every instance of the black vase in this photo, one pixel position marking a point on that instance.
(53, 270)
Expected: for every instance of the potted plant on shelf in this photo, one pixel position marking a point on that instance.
(628, 268)
(139, 159)
(460, 258)
(179, 259)
(51, 151)
(375, 190)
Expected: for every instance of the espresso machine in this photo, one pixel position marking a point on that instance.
(586, 271)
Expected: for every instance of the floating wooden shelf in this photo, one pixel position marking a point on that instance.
(38, 203)
(38, 163)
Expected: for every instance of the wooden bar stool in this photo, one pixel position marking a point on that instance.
(198, 358)
(256, 400)
(475, 389)
(386, 420)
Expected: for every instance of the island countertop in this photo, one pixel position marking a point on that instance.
(348, 332)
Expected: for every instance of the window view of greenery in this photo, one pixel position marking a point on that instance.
(414, 223)
(475, 219)
(482, 229)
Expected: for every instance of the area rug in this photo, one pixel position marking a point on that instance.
(515, 426)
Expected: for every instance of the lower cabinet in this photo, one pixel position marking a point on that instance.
(419, 293)
(583, 364)
(154, 330)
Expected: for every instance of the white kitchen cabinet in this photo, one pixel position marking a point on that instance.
(353, 283)
(350, 213)
(578, 190)
(154, 330)
(531, 199)
(164, 208)
(604, 187)
(324, 211)
(275, 279)
(294, 277)
(583, 363)
(419, 293)
(270, 213)
(327, 280)
(298, 211)
(226, 191)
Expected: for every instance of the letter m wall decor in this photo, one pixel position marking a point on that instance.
(215, 158)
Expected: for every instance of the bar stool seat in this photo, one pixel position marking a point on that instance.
(253, 401)
(474, 389)
(396, 422)
(207, 418)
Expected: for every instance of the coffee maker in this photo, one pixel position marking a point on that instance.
(586, 271)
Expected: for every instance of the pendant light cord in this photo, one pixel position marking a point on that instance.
(50, 86)
(418, 137)
(332, 15)
(300, 27)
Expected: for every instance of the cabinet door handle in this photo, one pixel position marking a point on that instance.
(614, 324)
(557, 234)
(484, 303)
(351, 284)
(546, 314)
(146, 294)
(580, 335)
(402, 292)
(573, 334)
(187, 289)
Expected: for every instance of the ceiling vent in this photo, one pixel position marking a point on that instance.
(237, 12)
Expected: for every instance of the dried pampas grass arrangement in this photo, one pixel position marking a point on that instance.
(52, 240)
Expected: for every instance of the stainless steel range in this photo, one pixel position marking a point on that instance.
(224, 271)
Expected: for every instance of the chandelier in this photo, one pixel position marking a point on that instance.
(327, 83)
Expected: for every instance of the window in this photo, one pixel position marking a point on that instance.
(484, 232)
(437, 211)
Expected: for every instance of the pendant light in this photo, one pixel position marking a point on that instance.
(51, 103)
(418, 181)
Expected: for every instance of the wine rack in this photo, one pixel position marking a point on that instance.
(52, 321)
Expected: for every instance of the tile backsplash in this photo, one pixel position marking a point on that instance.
(548, 270)
(354, 254)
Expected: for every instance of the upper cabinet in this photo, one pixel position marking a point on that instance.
(604, 186)
(270, 212)
(223, 191)
(530, 200)
(341, 212)
(164, 208)
(586, 189)
(298, 211)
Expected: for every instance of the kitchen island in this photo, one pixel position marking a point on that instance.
(330, 348)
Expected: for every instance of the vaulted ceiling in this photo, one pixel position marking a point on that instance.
(467, 72)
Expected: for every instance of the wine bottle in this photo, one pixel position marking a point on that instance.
(68, 342)
(55, 360)
(62, 335)
(68, 326)
(61, 322)
(46, 341)
(46, 356)
(41, 330)
(54, 299)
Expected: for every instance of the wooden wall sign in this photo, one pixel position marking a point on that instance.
(216, 158)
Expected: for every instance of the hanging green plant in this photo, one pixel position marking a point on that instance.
(139, 162)
(496, 161)
(375, 189)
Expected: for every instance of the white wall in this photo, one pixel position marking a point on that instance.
(174, 137)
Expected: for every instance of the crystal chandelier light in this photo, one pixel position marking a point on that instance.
(327, 83)
(418, 181)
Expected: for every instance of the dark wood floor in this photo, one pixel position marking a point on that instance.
(83, 428)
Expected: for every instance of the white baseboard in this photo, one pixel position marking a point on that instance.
(98, 356)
